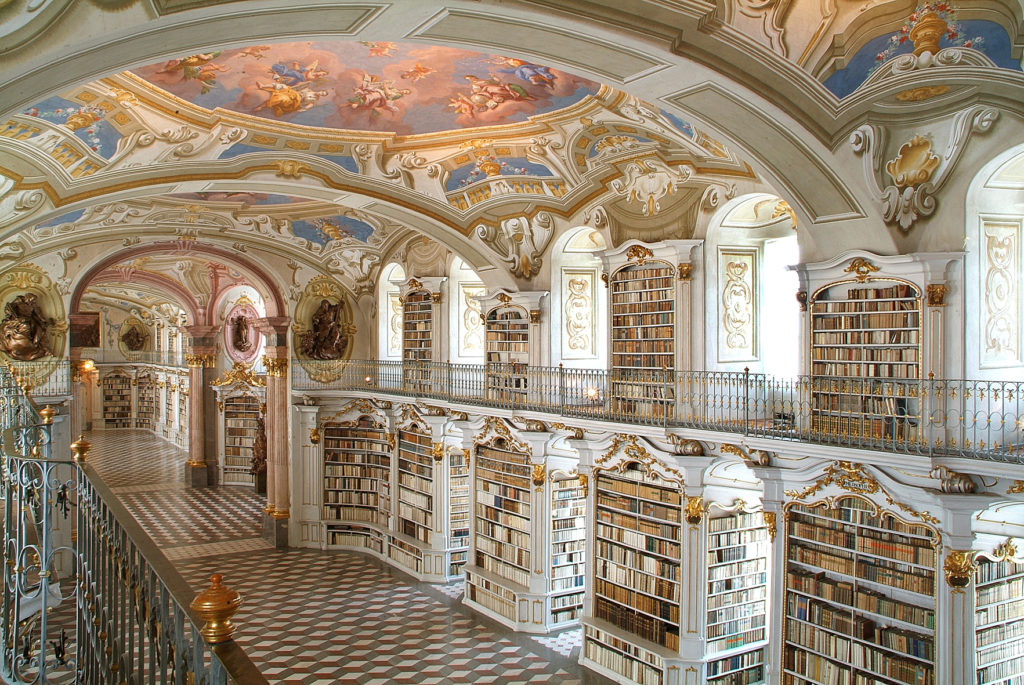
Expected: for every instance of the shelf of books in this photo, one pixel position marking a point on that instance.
(568, 541)
(502, 544)
(417, 339)
(181, 436)
(117, 401)
(458, 511)
(241, 414)
(508, 354)
(415, 484)
(632, 627)
(357, 484)
(145, 408)
(170, 410)
(860, 596)
(737, 597)
(866, 360)
(999, 622)
(643, 310)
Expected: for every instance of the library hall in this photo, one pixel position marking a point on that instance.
(580, 342)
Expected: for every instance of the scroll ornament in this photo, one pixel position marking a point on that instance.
(520, 242)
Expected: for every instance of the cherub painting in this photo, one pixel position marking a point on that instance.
(284, 99)
(417, 72)
(490, 92)
(254, 51)
(198, 67)
(380, 48)
(294, 74)
(376, 94)
(527, 71)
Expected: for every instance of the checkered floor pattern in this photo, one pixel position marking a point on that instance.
(316, 618)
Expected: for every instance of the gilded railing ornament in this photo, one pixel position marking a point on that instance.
(47, 413)
(959, 568)
(861, 268)
(694, 512)
(240, 372)
(770, 522)
(80, 449)
(215, 606)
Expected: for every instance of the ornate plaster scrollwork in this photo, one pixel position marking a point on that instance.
(647, 181)
(405, 163)
(947, 57)
(917, 173)
(953, 482)
(520, 242)
(715, 194)
(180, 139)
(637, 110)
(15, 205)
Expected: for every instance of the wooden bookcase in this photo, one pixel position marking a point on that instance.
(458, 510)
(999, 621)
(643, 325)
(417, 338)
(145, 409)
(633, 624)
(415, 484)
(181, 437)
(240, 429)
(866, 359)
(357, 483)
(117, 400)
(737, 597)
(508, 353)
(568, 549)
(860, 596)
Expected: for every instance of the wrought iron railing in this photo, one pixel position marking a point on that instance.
(42, 378)
(86, 595)
(969, 418)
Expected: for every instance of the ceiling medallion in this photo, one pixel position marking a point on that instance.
(921, 93)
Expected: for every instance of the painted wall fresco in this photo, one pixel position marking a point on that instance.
(985, 36)
(89, 123)
(323, 230)
(378, 86)
(492, 165)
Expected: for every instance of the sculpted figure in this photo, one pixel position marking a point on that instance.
(133, 339)
(240, 336)
(259, 449)
(325, 339)
(23, 330)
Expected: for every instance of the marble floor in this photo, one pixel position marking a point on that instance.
(311, 617)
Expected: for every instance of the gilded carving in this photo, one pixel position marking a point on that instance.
(770, 523)
(953, 482)
(634, 452)
(534, 316)
(694, 512)
(937, 294)
(437, 451)
(289, 168)
(519, 241)
(1016, 489)
(578, 309)
(240, 372)
(861, 268)
(686, 446)
(801, 298)
(328, 336)
(577, 433)
(1005, 551)
(914, 164)
(196, 361)
(538, 475)
(783, 208)
(276, 367)
(921, 93)
(497, 425)
(738, 306)
(639, 254)
(959, 569)
(584, 483)
(314, 435)
(684, 271)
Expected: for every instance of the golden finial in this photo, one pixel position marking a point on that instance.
(215, 606)
(80, 449)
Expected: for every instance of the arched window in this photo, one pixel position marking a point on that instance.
(389, 313)
(579, 302)
(467, 329)
(994, 306)
(750, 243)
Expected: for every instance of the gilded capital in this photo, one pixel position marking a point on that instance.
(694, 513)
(770, 523)
(197, 361)
(959, 568)
(276, 367)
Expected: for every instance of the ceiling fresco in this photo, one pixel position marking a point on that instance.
(402, 88)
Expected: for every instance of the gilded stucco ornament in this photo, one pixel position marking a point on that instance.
(519, 241)
(647, 182)
(959, 569)
(917, 173)
(937, 294)
(694, 512)
(771, 523)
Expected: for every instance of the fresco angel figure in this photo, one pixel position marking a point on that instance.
(296, 74)
(376, 94)
(199, 67)
(462, 104)
(254, 51)
(283, 99)
(380, 48)
(488, 93)
(526, 71)
(417, 72)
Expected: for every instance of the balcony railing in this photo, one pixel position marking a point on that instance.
(968, 418)
(86, 595)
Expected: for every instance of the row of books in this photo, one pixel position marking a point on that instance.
(378, 468)
(636, 671)
(843, 592)
(656, 279)
(869, 355)
(859, 321)
(627, 577)
(634, 488)
(893, 337)
(647, 627)
(651, 606)
(635, 559)
(640, 318)
(632, 505)
(637, 540)
(515, 573)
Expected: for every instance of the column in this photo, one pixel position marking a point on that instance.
(275, 359)
(201, 348)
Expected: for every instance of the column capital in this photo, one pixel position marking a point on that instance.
(276, 366)
(199, 361)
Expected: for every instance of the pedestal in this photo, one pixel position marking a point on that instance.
(196, 475)
(275, 531)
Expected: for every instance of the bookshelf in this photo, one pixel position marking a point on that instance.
(643, 322)
(866, 359)
(737, 597)
(240, 428)
(417, 338)
(117, 400)
(170, 409)
(145, 410)
(860, 596)
(568, 542)
(999, 621)
(181, 437)
(508, 353)
(636, 589)
(458, 510)
(357, 482)
(415, 484)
